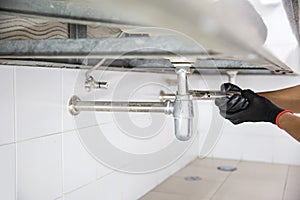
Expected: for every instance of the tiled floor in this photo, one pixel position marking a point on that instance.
(251, 181)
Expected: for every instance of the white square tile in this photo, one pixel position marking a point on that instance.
(103, 170)
(286, 151)
(95, 141)
(7, 172)
(119, 139)
(229, 146)
(246, 142)
(257, 148)
(79, 166)
(39, 168)
(211, 126)
(91, 137)
(113, 186)
(7, 104)
(38, 102)
(138, 135)
(111, 132)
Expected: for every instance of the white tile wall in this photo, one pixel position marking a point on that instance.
(69, 78)
(258, 150)
(39, 168)
(128, 186)
(102, 170)
(48, 160)
(123, 135)
(286, 151)
(52, 163)
(38, 102)
(247, 142)
(79, 166)
(8, 172)
(134, 185)
(229, 146)
(7, 105)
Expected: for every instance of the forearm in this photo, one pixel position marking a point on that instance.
(288, 99)
(291, 124)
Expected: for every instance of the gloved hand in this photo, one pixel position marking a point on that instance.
(247, 107)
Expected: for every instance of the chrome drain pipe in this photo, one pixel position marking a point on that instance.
(181, 110)
(76, 106)
(183, 107)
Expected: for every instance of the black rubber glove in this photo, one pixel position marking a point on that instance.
(247, 107)
(233, 104)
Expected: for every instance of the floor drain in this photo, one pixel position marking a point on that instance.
(227, 168)
(192, 178)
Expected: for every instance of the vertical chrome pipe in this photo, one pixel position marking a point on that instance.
(182, 81)
(183, 107)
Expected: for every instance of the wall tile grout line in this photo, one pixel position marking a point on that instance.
(93, 181)
(84, 127)
(14, 103)
(39, 137)
(16, 171)
(74, 129)
(15, 130)
(5, 144)
(51, 134)
(285, 183)
(59, 198)
(98, 124)
(62, 136)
